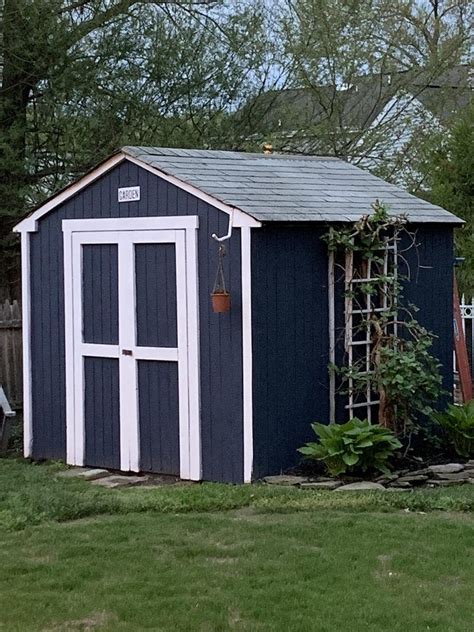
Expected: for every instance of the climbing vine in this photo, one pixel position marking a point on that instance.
(387, 364)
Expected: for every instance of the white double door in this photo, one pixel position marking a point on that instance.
(132, 371)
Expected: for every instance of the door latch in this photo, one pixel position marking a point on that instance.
(127, 352)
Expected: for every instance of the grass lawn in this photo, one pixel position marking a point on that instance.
(210, 557)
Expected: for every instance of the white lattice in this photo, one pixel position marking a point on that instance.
(366, 404)
(467, 315)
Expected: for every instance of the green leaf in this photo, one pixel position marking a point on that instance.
(350, 459)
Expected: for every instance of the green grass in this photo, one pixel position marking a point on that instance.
(74, 557)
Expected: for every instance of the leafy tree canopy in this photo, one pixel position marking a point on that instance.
(449, 178)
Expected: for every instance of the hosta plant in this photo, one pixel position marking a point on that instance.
(458, 423)
(353, 447)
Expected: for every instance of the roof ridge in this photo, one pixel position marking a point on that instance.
(213, 153)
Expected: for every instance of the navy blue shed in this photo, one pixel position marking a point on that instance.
(126, 366)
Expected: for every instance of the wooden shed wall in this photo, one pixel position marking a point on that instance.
(290, 331)
(430, 266)
(290, 342)
(220, 335)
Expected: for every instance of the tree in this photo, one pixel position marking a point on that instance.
(81, 78)
(449, 182)
(360, 74)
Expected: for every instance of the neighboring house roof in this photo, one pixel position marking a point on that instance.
(270, 187)
(355, 107)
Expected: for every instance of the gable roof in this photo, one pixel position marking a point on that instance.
(272, 187)
(356, 106)
(264, 187)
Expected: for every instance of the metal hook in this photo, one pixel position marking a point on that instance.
(229, 231)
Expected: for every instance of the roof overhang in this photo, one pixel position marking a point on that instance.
(30, 223)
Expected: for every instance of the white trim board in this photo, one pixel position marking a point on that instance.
(166, 222)
(29, 224)
(26, 339)
(247, 361)
(125, 233)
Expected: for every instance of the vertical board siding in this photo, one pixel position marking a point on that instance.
(159, 417)
(102, 412)
(290, 342)
(430, 268)
(100, 293)
(155, 269)
(221, 360)
(220, 335)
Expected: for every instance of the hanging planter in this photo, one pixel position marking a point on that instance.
(220, 297)
(220, 302)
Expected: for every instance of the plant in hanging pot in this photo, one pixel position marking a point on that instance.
(220, 296)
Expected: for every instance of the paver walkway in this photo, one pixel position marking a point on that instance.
(112, 480)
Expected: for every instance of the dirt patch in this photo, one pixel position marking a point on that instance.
(384, 569)
(221, 560)
(250, 514)
(88, 624)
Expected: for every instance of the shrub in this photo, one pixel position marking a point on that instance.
(458, 423)
(356, 446)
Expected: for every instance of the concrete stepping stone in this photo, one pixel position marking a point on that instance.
(112, 482)
(413, 479)
(457, 476)
(86, 474)
(447, 468)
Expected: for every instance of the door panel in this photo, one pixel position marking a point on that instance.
(155, 273)
(159, 416)
(102, 412)
(158, 384)
(100, 293)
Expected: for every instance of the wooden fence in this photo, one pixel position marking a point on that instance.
(11, 377)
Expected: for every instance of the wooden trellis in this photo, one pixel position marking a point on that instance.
(360, 308)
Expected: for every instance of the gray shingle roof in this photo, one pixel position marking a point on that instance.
(288, 188)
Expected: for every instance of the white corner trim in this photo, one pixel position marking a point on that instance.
(26, 327)
(246, 256)
(30, 223)
(69, 347)
(194, 399)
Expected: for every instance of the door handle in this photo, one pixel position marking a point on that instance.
(127, 352)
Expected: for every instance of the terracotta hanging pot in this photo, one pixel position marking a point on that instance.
(220, 302)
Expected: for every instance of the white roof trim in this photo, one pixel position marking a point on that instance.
(30, 223)
(240, 217)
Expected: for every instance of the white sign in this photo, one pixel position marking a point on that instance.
(129, 194)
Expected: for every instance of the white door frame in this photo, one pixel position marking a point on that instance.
(126, 232)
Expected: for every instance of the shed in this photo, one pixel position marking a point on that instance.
(125, 364)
